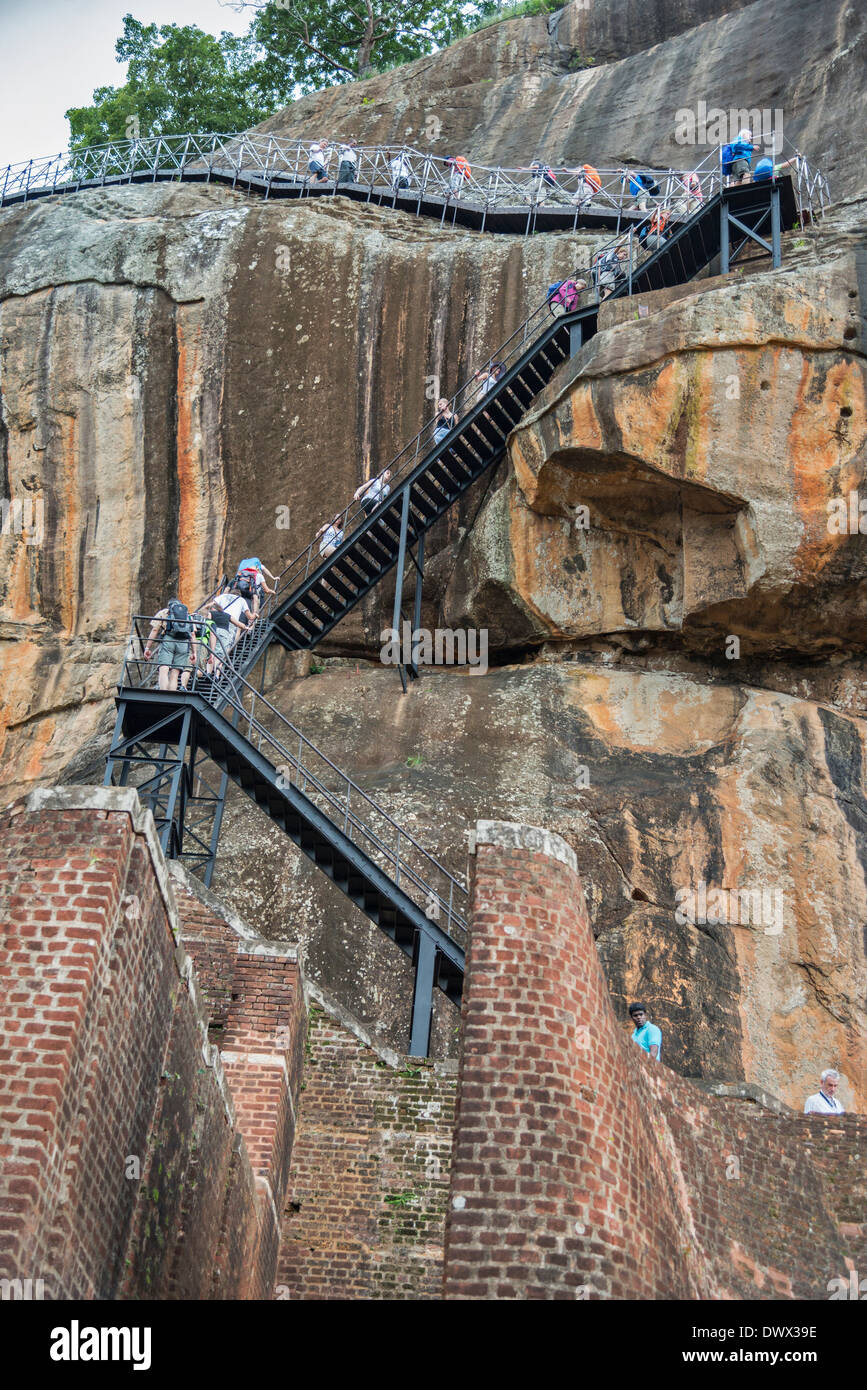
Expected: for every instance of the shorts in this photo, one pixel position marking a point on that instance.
(740, 167)
(607, 279)
(314, 167)
(174, 652)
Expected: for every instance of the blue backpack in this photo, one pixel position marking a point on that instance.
(727, 159)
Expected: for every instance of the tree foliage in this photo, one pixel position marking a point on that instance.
(322, 42)
(181, 79)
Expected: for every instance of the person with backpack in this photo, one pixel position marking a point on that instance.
(608, 269)
(445, 420)
(543, 184)
(737, 158)
(226, 611)
(460, 173)
(563, 296)
(253, 571)
(766, 169)
(641, 186)
(652, 235)
(176, 654)
(588, 185)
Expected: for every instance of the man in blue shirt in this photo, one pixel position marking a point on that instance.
(646, 1034)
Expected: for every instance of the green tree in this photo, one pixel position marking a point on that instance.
(323, 42)
(181, 79)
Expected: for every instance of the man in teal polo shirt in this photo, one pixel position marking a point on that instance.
(646, 1034)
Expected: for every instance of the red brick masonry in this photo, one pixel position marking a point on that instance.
(582, 1168)
(135, 1160)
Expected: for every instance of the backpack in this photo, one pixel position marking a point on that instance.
(243, 586)
(591, 176)
(566, 294)
(727, 159)
(649, 183)
(178, 620)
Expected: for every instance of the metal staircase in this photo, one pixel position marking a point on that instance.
(226, 722)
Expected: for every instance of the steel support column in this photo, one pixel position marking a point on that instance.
(576, 337)
(416, 607)
(108, 779)
(170, 838)
(724, 238)
(776, 226)
(422, 997)
(398, 581)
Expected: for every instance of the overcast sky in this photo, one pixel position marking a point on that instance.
(54, 52)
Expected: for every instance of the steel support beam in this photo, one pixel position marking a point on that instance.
(422, 997)
(398, 581)
(724, 238)
(776, 228)
(416, 607)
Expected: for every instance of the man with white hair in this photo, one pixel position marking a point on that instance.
(825, 1101)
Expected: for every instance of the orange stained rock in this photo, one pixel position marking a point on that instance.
(823, 445)
(201, 504)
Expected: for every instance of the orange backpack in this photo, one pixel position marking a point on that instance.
(592, 176)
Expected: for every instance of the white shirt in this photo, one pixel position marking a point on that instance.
(233, 605)
(348, 155)
(333, 536)
(320, 153)
(820, 1104)
(377, 490)
(400, 167)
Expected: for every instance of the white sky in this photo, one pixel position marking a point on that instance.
(54, 52)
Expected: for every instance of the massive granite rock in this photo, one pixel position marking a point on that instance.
(659, 780)
(606, 81)
(681, 475)
(184, 370)
(181, 365)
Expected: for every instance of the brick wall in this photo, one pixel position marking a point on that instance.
(365, 1207)
(581, 1167)
(134, 1162)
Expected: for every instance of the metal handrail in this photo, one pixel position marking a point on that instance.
(235, 693)
(281, 160)
(678, 203)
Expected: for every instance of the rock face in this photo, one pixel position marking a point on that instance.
(184, 369)
(680, 476)
(660, 781)
(520, 90)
